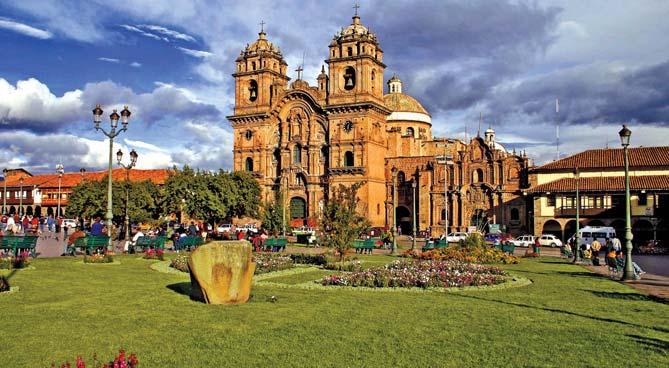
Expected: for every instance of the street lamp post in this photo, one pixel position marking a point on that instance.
(283, 209)
(628, 274)
(445, 160)
(21, 198)
(578, 210)
(60, 170)
(4, 192)
(133, 161)
(413, 241)
(393, 248)
(111, 134)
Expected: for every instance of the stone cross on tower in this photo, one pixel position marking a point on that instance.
(356, 6)
(299, 72)
(262, 26)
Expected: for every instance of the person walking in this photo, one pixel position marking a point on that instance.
(595, 247)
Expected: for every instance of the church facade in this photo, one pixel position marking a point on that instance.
(302, 141)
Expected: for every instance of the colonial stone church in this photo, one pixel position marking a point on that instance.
(303, 140)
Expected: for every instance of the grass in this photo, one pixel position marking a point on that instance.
(568, 317)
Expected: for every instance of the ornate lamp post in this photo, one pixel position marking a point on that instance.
(21, 198)
(393, 248)
(4, 192)
(133, 161)
(283, 208)
(445, 160)
(578, 210)
(60, 170)
(413, 241)
(625, 135)
(111, 134)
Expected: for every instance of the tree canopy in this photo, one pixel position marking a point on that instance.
(341, 221)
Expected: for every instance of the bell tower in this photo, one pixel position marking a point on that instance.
(356, 66)
(260, 73)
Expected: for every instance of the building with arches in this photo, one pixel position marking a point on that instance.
(601, 184)
(302, 140)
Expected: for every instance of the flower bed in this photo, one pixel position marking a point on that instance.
(180, 263)
(154, 254)
(11, 262)
(120, 361)
(348, 266)
(267, 262)
(460, 254)
(99, 258)
(421, 274)
(305, 258)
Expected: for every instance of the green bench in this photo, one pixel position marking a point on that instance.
(364, 245)
(188, 242)
(566, 251)
(149, 242)
(431, 244)
(89, 244)
(274, 244)
(508, 247)
(19, 243)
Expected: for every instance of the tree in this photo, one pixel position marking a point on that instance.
(341, 222)
(248, 194)
(272, 215)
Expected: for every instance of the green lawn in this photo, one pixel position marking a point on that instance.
(567, 317)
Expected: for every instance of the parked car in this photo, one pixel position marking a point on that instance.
(588, 234)
(549, 240)
(456, 237)
(248, 228)
(524, 241)
(224, 228)
(70, 223)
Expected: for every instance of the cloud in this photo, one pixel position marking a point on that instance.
(141, 32)
(32, 106)
(135, 64)
(169, 32)
(144, 145)
(25, 29)
(195, 53)
(109, 60)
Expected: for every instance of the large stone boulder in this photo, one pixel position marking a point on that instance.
(221, 272)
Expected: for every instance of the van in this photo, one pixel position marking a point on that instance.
(588, 234)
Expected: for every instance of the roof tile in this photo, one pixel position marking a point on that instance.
(604, 184)
(611, 158)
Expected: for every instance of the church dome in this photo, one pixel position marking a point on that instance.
(355, 31)
(262, 46)
(399, 102)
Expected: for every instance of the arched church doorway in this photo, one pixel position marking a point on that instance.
(403, 218)
(298, 209)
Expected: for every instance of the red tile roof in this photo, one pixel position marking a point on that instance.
(604, 184)
(158, 176)
(610, 158)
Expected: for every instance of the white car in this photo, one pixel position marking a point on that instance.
(248, 228)
(523, 241)
(70, 223)
(224, 228)
(548, 240)
(456, 237)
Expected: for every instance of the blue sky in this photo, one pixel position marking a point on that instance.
(607, 62)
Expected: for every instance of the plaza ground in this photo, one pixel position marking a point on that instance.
(567, 317)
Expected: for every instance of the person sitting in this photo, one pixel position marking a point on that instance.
(96, 228)
(132, 243)
(78, 233)
(595, 247)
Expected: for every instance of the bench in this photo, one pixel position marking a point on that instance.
(149, 242)
(431, 244)
(508, 248)
(188, 242)
(566, 251)
(89, 244)
(274, 244)
(364, 245)
(19, 243)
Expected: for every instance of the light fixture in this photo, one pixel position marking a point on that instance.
(625, 135)
(114, 116)
(119, 156)
(97, 116)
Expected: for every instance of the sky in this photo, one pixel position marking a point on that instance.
(170, 61)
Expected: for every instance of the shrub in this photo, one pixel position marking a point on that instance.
(158, 254)
(348, 266)
(120, 361)
(99, 258)
(474, 240)
(180, 263)
(10, 262)
(422, 274)
(468, 255)
(4, 284)
(267, 262)
(314, 259)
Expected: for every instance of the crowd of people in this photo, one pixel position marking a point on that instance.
(614, 256)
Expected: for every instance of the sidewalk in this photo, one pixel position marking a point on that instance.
(653, 285)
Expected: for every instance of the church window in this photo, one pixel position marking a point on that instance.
(253, 65)
(249, 164)
(373, 74)
(443, 215)
(410, 132)
(248, 134)
(363, 49)
(349, 51)
(515, 214)
(401, 177)
(299, 180)
(253, 90)
(378, 209)
(348, 159)
(477, 176)
(349, 78)
(297, 155)
(333, 53)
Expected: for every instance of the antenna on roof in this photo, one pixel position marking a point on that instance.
(557, 129)
(478, 134)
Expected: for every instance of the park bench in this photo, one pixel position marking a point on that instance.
(432, 244)
(188, 242)
(508, 248)
(363, 245)
(275, 244)
(149, 242)
(89, 244)
(18, 243)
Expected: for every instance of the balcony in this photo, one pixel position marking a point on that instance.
(590, 212)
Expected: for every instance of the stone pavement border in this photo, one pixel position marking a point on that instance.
(652, 285)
